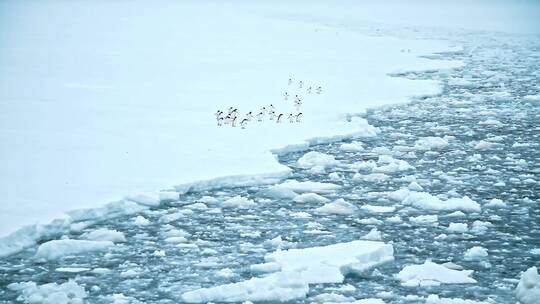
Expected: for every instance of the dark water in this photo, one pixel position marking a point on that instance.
(486, 100)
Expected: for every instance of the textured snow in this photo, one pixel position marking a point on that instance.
(413, 275)
(528, 288)
(56, 249)
(67, 293)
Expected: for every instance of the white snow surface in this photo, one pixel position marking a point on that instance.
(100, 112)
(413, 275)
(297, 268)
(528, 288)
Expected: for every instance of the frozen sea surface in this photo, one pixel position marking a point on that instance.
(476, 143)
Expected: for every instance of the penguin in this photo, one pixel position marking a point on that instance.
(290, 81)
(233, 121)
(309, 90)
(243, 123)
(227, 119)
(280, 116)
(286, 96)
(300, 84)
(218, 113)
(291, 118)
(263, 110)
(260, 116)
(272, 108)
(272, 115)
(319, 90)
(220, 121)
(230, 110)
(249, 116)
(298, 117)
(297, 105)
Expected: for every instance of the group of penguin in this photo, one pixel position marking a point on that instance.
(232, 113)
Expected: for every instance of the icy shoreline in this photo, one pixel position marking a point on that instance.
(164, 153)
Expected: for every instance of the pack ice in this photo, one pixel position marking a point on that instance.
(297, 269)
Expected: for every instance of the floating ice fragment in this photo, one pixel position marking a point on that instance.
(457, 228)
(56, 249)
(528, 288)
(414, 275)
(313, 158)
(429, 143)
(309, 186)
(339, 206)
(52, 293)
(104, 234)
(238, 202)
(310, 198)
(476, 253)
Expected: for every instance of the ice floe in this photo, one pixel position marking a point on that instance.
(66, 293)
(296, 269)
(431, 273)
(339, 206)
(528, 288)
(309, 186)
(434, 299)
(238, 202)
(429, 143)
(104, 234)
(56, 249)
(476, 253)
(426, 201)
(280, 286)
(310, 198)
(313, 158)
